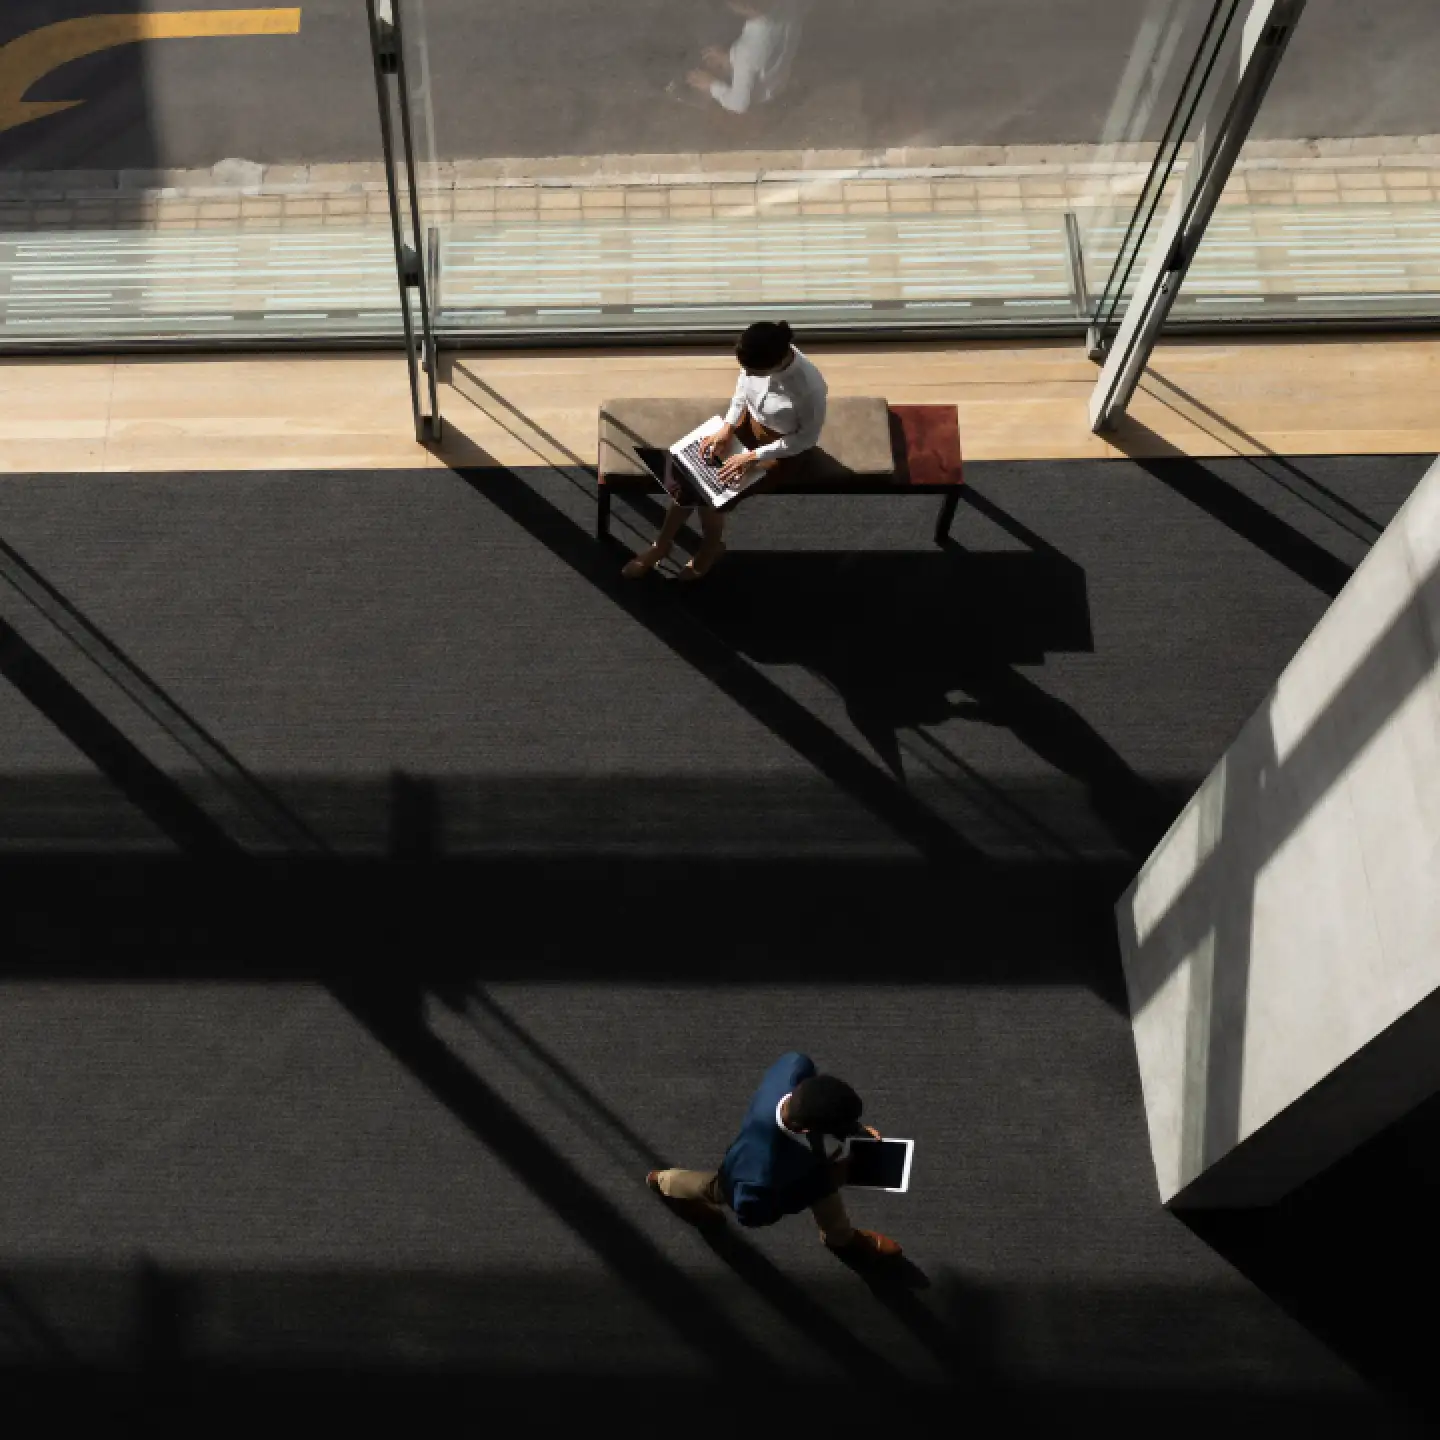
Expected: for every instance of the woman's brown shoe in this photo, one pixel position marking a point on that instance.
(703, 563)
(643, 564)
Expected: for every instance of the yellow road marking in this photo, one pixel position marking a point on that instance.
(29, 57)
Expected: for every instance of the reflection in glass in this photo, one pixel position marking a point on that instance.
(1179, 131)
(755, 69)
(1346, 225)
(843, 163)
(1144, 105)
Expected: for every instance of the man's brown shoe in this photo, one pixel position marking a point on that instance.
(868, 1244)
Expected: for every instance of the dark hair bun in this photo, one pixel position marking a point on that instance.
(764, 345)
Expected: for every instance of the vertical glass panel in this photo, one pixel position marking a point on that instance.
(1203, 72)
(672, 165)
(408, 231)
(433, 181)
(1132, 175)
(1333, 210)
(408, 133)
(170, 172)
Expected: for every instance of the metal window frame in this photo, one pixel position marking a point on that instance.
(1208, 53)
(1234, 104)
(415, 267)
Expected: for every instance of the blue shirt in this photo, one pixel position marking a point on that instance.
(765, 1175)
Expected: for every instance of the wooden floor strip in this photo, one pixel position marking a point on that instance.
(1374, 395)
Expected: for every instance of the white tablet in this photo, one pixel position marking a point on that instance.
(880, 1164)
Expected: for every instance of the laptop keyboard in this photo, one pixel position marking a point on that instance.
(706, 472)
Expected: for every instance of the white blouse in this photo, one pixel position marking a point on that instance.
(791, 402)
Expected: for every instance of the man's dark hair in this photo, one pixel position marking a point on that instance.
(826, 1104)
(763, 345)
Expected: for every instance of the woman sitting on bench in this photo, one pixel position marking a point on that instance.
(777, 413)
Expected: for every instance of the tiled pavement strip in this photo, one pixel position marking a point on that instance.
(955, 179)
(919, 227)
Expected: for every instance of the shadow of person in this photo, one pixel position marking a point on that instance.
(910, 642)
(1130, 809)
(888, 1276)
(392, 1008)
(807, 1314)
(960, 1351)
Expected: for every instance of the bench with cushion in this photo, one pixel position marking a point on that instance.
(866, 448)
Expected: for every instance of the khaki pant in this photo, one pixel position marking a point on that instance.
(750, 430)
(753, 434)
(704, 1185)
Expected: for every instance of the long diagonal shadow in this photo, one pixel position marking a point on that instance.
(810, 737)
(392, 1013)
(1016, 529)
(1201, 486)
(965, 1359)
(1283, 472)
(993, 800)
(1138, 799)
(771, 1284)
(521, 427)
(1141, 813)
(492, 394)
(143, 783)
(102, 652)
(897, 677)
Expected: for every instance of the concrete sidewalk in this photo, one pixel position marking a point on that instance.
(241, 195)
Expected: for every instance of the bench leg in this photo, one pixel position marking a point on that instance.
(602, 513)
(947, 514)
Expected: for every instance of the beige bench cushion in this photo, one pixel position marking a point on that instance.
(855, 444)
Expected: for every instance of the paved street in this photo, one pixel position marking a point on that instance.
(573, 77)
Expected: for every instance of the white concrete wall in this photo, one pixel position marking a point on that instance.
(1286, 932)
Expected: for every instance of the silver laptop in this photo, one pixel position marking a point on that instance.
(706, 473)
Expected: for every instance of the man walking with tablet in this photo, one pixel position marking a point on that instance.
(791, 1155)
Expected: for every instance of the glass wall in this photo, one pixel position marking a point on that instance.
(192, 173)
(673, 164)
(666, 166)
(1333, 212)
(1126, 222)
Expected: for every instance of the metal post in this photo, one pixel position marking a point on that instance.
(1075, 254)
(432, 272)
(431, 427)
(1233, 108)
(387, 55)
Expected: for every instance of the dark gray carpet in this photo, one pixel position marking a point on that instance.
(389, 887)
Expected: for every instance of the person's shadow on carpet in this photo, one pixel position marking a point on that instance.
(911, 642)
